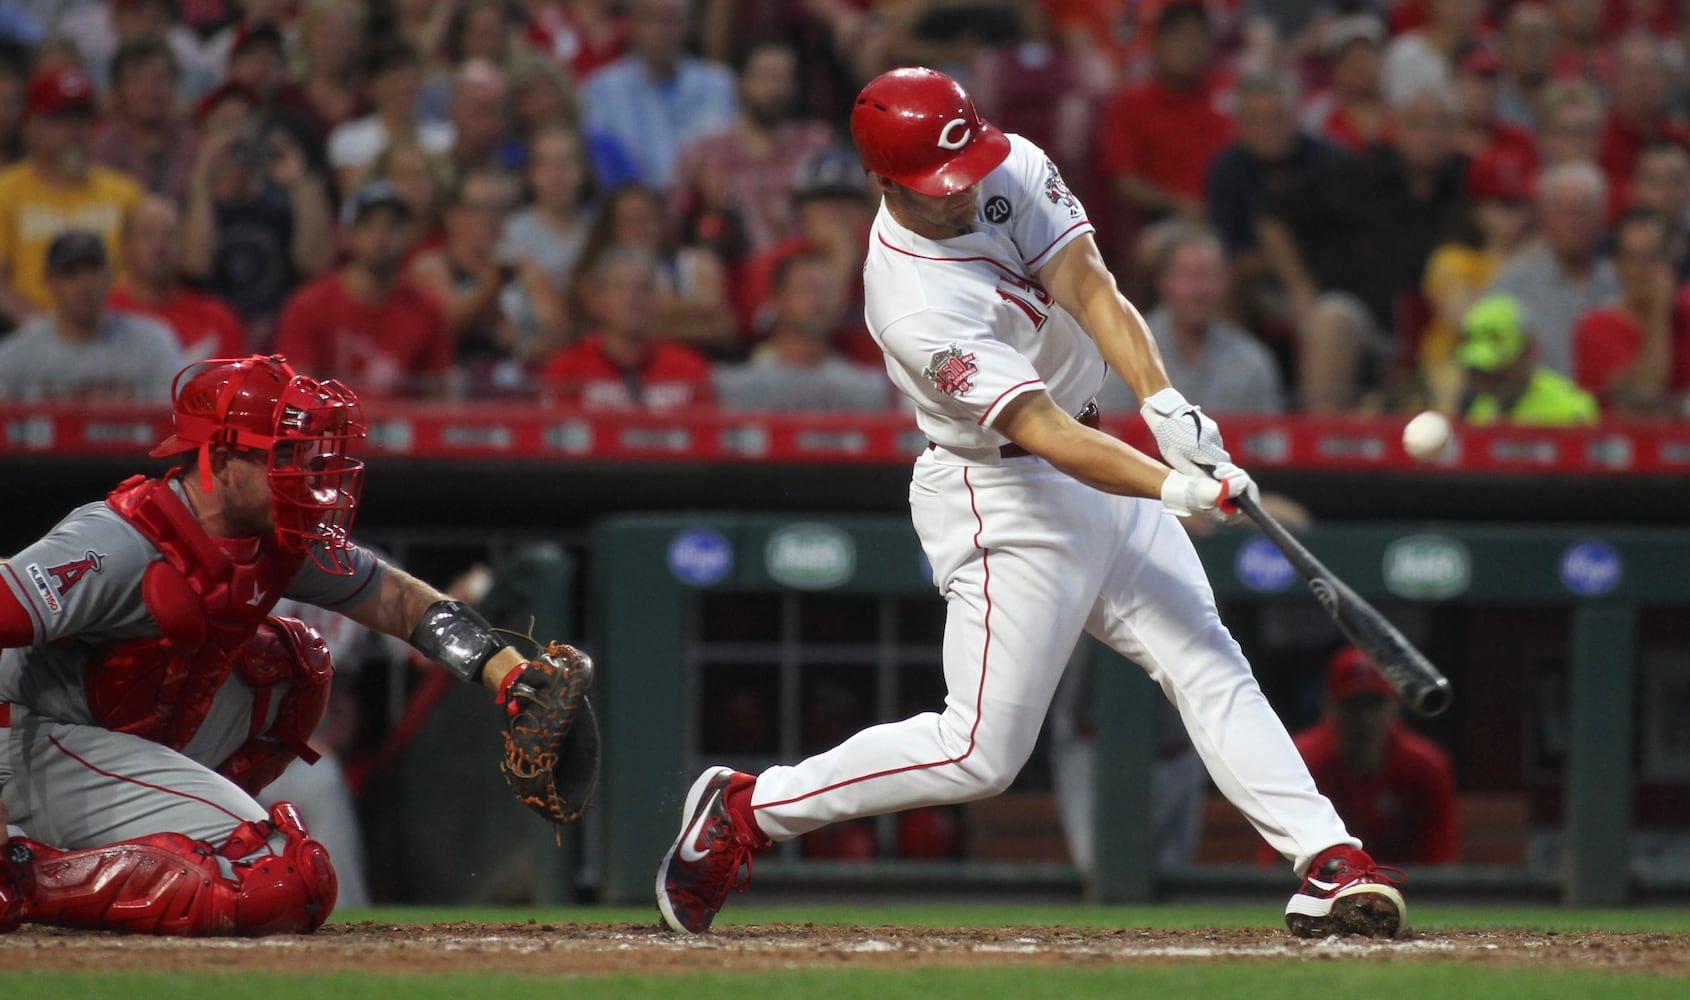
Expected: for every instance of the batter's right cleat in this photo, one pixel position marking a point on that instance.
(711, 856)
(1346, 893)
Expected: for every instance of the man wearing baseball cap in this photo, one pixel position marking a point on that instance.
(80, 350)
(1391, 785)
(56, 187)
(1505, 383)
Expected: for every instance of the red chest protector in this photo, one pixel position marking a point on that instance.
(209, 607)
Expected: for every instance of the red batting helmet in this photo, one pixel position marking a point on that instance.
(919, 127)
(304, 425)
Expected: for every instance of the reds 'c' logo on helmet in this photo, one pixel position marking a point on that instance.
(920, 128)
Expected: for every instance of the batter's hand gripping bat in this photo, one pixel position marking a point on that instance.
(1420, 685)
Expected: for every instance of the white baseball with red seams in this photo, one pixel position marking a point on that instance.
(1025, 556)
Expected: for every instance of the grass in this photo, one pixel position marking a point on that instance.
(1257, 979)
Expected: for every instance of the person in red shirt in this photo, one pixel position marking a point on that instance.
(1158, 137)
(1351, 112)
(1394, 788)
(623, 364)
(1640, 113)
(1635, 350)
(151, 244)
(1481, 134)
(367, 323)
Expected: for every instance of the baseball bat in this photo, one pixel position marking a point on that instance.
(1422, 688)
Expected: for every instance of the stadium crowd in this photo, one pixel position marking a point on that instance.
(1321, 206)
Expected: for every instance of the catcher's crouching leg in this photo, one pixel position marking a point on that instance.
(169, 884)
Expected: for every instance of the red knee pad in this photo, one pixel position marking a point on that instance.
(169, 884)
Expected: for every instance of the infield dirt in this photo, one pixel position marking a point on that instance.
(545, 949)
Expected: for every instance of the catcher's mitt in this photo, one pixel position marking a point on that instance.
(551, 736)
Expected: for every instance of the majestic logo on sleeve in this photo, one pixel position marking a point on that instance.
(68, 575)
(1057, 190)
(951, 371)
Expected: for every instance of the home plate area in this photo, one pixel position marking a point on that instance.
(576, 949)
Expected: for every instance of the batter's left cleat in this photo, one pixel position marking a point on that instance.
(11, 897)
(1346, 893)
(711, 856)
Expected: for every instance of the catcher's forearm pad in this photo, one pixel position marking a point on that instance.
(551, 757)
(454, 635)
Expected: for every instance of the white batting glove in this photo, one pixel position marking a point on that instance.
(1189, 440)
(1211, 497)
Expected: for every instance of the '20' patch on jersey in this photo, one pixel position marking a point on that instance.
(951, 371)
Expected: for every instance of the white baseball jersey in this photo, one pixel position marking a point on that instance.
(962, 364)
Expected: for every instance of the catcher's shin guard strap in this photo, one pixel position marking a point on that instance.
(454, 635)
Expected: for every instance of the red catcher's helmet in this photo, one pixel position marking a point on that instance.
(919, 127)
(305, 426)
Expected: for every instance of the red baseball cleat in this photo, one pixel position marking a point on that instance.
(11, 898)
(1346, 893)
(711, 855)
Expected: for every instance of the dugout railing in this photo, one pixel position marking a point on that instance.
(678, 602)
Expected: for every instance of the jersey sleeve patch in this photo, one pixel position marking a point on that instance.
(951, 370)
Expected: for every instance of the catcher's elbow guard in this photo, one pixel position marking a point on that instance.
(454, 635)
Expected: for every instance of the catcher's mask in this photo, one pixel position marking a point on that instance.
(305, 426)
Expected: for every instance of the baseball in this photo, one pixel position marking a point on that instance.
(1426, 435)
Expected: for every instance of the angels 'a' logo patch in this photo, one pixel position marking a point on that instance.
(951, 371)
(68, 575)
(1056, 189)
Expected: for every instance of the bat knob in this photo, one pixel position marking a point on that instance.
(1433, 699)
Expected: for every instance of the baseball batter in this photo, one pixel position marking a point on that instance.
(147, 693)
(986, 291)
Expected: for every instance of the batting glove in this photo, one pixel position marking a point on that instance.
(1190, 441)
(1212, 497)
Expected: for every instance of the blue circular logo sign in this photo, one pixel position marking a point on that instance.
(700, 557)
(1590, 568)
(1263, 568)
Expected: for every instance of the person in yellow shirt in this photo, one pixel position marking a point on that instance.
(56, 187)
(1505, 384)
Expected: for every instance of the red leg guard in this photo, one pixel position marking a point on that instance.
(168, 884)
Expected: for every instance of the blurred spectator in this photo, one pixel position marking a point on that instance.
(1579, 52)
(1661, 181)
(1496, 226)
(152, 252)
(258, 219)
(78, 350)
(476, 284)
(424, 180)
(1157, 138)
(14, 82)
(331, 38)
(258, 61)
(1394, 789)
(143, 136)
(945, 34)
(1349, 244)
(797, 367)
(421, 26)
(393, 77)
(623, 362)
(550, 234)
(54, 188)
(481, 30)
(1572, 122)
(1481, 135)
(1423, 57)
(1527, 52)
(692, 285)
(479, 116)
(832, 199)
(1351, 113)
(1505, 383)
(1634, 350)
(100, 29)
(579, 35)
(541, 97)
(651, 102)
(366, 323)
(1210, 360)
(1643, 77)
(734, 189)
(1565, 275)
(1268, 157)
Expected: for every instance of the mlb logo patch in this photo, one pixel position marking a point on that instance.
(951, 371)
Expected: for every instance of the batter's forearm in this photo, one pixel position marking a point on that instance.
(1102, 462)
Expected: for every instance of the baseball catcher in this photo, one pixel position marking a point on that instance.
(147, 691)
